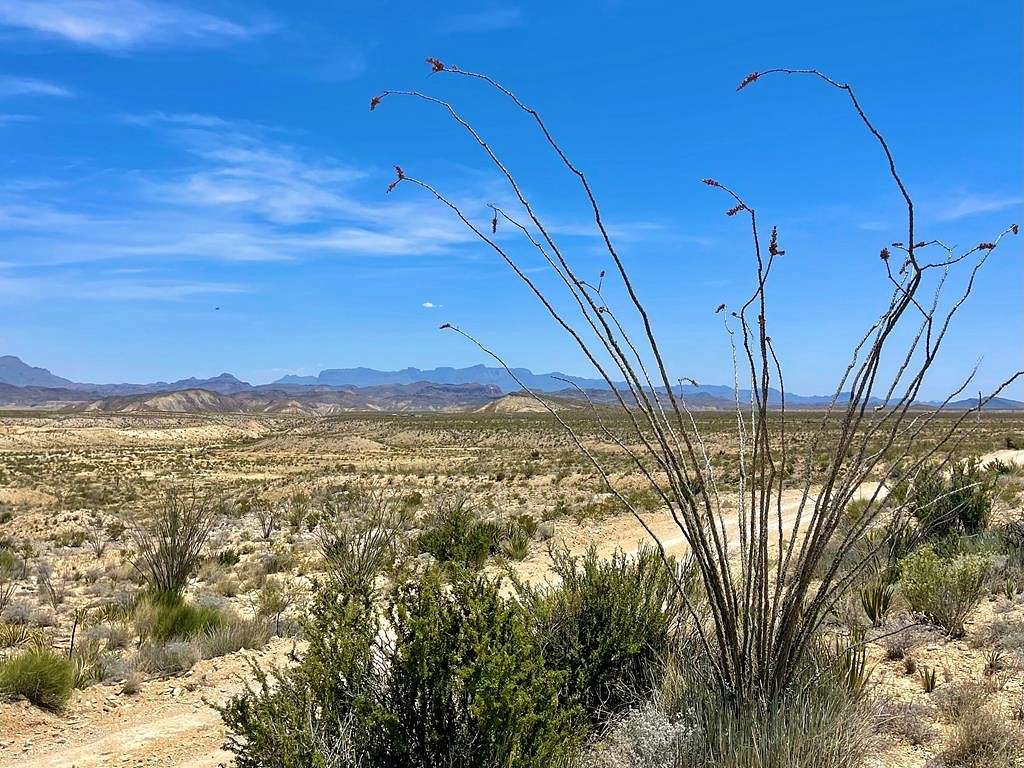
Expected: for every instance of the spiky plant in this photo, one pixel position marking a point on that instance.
(770, 582)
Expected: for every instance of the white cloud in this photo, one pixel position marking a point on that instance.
(115, 25)
(27, 86)
(53, 286)
(429, 305)
(973, 204)
(233, 193)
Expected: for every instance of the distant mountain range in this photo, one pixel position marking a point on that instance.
(349, 389)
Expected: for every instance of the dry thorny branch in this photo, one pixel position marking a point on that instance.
(767, 593)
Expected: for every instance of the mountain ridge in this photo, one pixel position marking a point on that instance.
(42, 385)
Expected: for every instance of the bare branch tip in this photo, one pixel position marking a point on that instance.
(751, 78)
(400, 178)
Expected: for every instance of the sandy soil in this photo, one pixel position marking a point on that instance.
(168, 723)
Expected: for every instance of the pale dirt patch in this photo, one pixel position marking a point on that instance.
(168, 723)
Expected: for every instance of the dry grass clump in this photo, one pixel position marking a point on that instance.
(908, 721)
(981, 737)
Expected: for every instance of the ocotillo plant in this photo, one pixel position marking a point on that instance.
(767, 594)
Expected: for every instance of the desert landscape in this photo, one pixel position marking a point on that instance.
(511, 384)
(74, 485)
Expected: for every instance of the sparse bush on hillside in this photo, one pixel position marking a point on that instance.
(943, 591)
(232, 636)
(362, 543)
(169, 546)
(172, 658)
(957, 502)
(456, 535)
(41, 675)
(981, 738)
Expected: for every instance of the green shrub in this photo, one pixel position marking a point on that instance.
(958, 503)
(438, 675)
(456, 535)
(609, 625)
(164, 617)
(943, 591)
(876, 598)
(228, 557)
(517, 545)
(41, 675)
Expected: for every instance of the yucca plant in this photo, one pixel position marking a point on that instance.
(852, 662)
(876, 597)
(516, 546)
(928, 678)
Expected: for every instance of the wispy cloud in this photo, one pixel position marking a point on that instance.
(114, 288)
(116, 25)
(973, 204)
(15, 119)
(236, 192)
(487, 20)
(226, 191)
(27, 86)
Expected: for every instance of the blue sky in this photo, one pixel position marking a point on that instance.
(161, 159)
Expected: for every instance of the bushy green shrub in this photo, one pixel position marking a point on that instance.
(167, 616)
(41, 675)
(437, 675)
(960, 502)
(943, 591)
(456, 535)
(608, 625)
